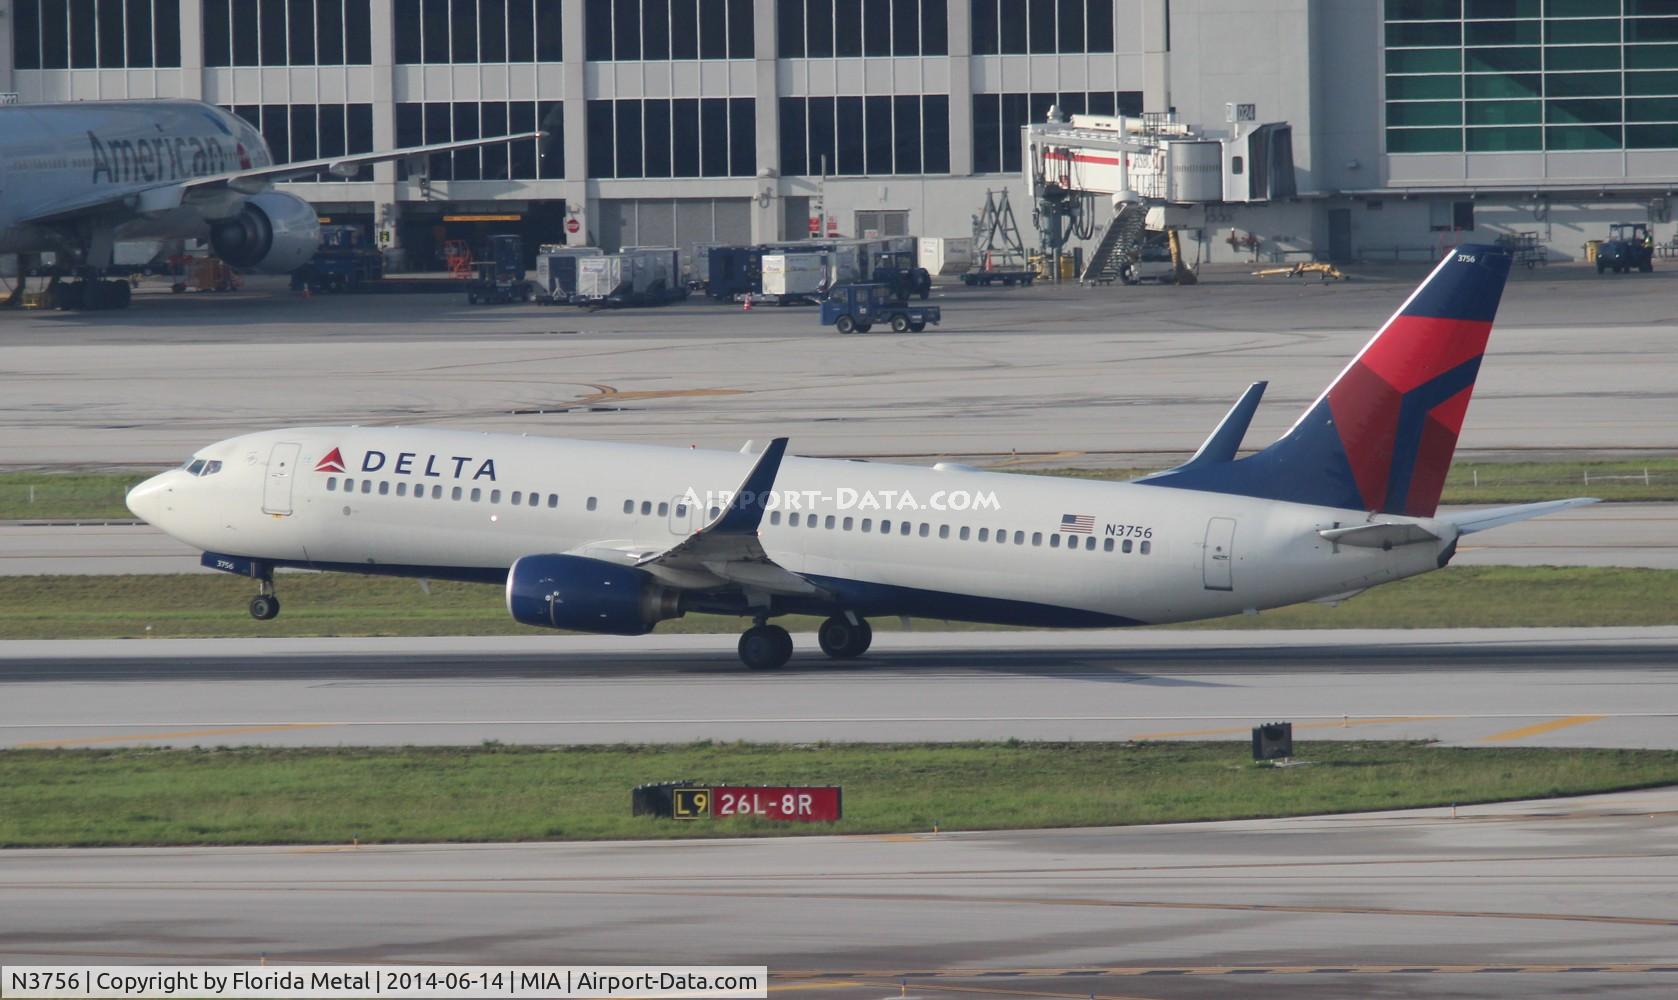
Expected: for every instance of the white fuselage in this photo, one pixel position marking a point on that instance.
(100, 152)
(447, 503)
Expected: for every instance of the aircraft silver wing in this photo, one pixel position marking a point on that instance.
(258, 178)
(168, 195)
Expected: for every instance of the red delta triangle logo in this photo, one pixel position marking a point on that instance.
(333, 462)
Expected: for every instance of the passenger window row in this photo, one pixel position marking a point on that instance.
(383, 488)
(794, 519)
(886, 526)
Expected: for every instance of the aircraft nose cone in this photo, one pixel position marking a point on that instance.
(146, 501)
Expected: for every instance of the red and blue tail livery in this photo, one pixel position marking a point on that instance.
(1381, 437)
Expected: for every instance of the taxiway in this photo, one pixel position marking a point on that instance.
(1614, 687)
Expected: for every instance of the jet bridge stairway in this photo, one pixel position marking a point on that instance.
(1119, 247)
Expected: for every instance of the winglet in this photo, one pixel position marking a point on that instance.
(746, 507)
(1225, 439)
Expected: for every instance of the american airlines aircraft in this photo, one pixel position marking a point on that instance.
(77, 177)
(612, 538)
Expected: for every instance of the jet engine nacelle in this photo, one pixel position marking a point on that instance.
(587, 595)
(273, 232)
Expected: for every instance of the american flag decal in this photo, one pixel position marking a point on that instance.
(1078, 524)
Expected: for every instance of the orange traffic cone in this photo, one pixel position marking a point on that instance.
(748, 306)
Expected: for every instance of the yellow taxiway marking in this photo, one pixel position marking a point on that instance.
(1540, 728)
(183, 734)
(1030, 459)
(1227, 730)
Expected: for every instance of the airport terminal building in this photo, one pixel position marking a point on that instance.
(1416, 123)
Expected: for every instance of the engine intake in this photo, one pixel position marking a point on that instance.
(587, 595)
(273, 232)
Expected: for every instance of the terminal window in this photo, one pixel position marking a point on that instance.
(288, 32)
(685, 137)
(1018, 27)
(819, 29)
(874, 135)
(477, 31)
(1530, 75)
(96, 34)
(657, 30)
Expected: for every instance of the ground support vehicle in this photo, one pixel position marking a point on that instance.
(499, 277)
(346, 261)
(1628, 245)
(856, 308)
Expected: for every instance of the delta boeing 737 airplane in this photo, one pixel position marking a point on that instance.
(615, 538)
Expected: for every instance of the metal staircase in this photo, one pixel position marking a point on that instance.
(1120, 247)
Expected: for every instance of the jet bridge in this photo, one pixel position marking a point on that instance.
(1144, 163)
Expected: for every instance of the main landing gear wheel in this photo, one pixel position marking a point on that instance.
(265, 607)
(844, 641)
(765, 647)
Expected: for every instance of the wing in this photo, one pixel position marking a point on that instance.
(172, 194)
(257, 179)
(727, 550)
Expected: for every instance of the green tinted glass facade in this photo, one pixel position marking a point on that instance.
(1489, 76)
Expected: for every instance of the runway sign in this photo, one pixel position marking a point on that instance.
(783, 803)
(808, 804)
(690, 803)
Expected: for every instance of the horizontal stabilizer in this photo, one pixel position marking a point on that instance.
(1469, 521)
(1381, 535)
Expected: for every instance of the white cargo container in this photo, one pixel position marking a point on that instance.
(946, 254)
(556, 272)
(795, 277)
(633, 276)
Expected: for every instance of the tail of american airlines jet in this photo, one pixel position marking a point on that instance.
(1381, 436)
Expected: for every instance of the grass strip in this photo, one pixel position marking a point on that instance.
(98, 495)
(504, 793)
(201, 605)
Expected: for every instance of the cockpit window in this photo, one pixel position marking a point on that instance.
(195, 466)
(211, 467)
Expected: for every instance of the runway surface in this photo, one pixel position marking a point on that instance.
(1602, 535)
(1570, 897)
(1613, 687)
(1576, 362)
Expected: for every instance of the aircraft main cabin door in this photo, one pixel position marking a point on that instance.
(683, 518)
(1219, 554)
(276, 487)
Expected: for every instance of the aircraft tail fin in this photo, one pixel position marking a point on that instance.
(1381, 436)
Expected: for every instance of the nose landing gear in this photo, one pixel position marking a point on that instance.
(265, 606)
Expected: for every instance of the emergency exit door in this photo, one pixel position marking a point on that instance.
(1219, 559)
(276, 488)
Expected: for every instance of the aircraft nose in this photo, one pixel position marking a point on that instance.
(147, 500)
